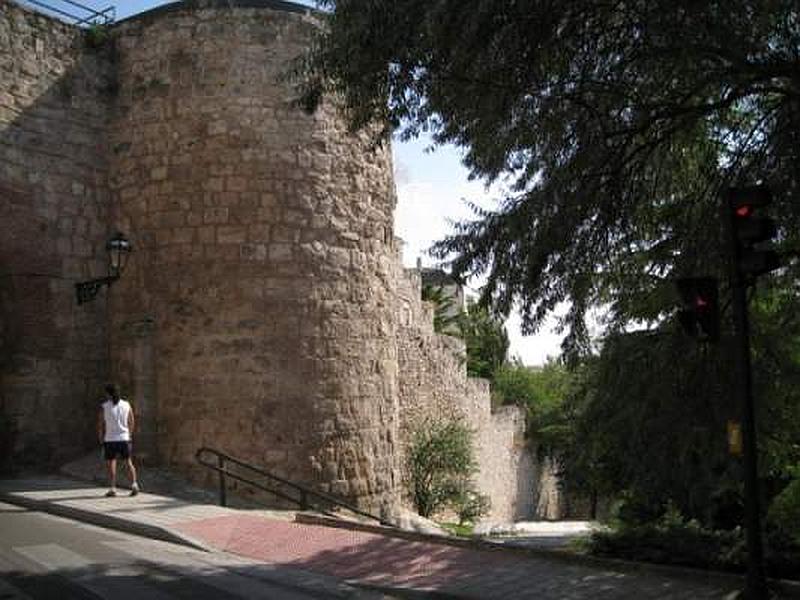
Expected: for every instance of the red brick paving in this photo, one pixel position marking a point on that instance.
(346, 554)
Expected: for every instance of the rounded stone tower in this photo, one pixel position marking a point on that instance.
(255, 315)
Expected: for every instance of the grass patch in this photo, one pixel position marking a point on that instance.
(459, 530)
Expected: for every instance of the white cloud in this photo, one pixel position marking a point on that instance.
(423, 214)
(421, 218)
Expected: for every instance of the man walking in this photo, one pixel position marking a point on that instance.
(115, 426)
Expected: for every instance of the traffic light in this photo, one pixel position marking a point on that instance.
(699, 316)
(750, 227)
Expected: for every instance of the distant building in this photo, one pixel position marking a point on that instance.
(450, 286)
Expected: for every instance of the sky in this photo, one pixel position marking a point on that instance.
(431, 188)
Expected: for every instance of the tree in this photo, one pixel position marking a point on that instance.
(445, 317)
(650, 425)
(615, 126)
(543, 393)
(486, 340)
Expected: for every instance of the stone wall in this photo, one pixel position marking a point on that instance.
(53, 210)
(264, 311)
(262, 269)
(434, 385)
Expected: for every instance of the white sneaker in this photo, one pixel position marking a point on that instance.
(111, 493)
(134, 489)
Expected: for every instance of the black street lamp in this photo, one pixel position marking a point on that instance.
(119, 248)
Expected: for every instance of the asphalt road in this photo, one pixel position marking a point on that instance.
(48, 557)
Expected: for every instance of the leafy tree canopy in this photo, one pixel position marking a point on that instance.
(445, 313)
(614, 127)
(653, 421)
(543, 392)
(649, 416)
(486, 341)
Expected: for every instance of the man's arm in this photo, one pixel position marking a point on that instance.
(131, 421)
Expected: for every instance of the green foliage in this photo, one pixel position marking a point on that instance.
(438, 460)
(96, 36)
(483, 333)
(445, 315)
(468, 503)
(650, 422)
(775, 325)
(486, 340)
(461, 530)
(650, 415)
(616, 127)
(543, 392)
(784, 513)
(672, 540)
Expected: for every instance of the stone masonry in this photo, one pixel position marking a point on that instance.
(264, 311)
(434, 386)
(264, 239)
(54, 212)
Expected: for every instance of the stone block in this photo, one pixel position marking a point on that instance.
(182, 235)
(214, 184)
(280, 252)
(215, 215)
(256, 252)
(236, 184)
(231, 234)
(206, 235)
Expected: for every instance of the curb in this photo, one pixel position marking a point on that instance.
(103, 520)
(787, 588)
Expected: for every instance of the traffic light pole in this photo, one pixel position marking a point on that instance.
(756, 580)
(749, 227)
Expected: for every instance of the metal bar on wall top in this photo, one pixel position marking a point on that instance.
(94, 17)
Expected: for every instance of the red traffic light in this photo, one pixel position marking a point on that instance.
(700, 314)
(752, 196)
(750, 227)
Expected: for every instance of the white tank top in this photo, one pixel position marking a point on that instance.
(116, 418)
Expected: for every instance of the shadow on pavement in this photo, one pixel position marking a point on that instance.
(145, 579)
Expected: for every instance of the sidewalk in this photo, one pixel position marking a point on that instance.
(364, 558)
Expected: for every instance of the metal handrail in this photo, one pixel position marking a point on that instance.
(305, 493)
(105, 16)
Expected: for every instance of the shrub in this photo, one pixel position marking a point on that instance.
(672, 539)
(469, 504)
(96, 36)
(456, 529)
(439, 457)
(784, 512)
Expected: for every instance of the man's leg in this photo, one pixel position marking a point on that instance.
(111, 464)
(132, 474)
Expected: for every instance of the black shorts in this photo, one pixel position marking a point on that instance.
(114, 450)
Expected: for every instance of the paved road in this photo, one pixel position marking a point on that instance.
(297, 558)
(47, 557)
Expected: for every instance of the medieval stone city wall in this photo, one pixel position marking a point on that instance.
(261, 280)
(264, 311)
(434, 386)
(53, 230)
